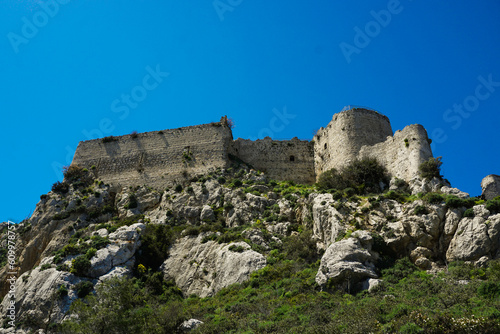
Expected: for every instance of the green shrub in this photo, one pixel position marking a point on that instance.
(192, 230)
(60, 187)
(400, 183)
(431, 168)
(155, 243)
(493, 205)
(407, 143)
(62, 291)
(469, 213)
(434, 198)
(396, 196)
(178, 188)
(132, 202)
(237, 183)
(489, 290)
(336, 195)
(420, 210)
(365, 175)
(83, 288)
(77, 176)
(455, 202)
(332, 179)
(80, 265)
(221, 180)
(237, 249)
(90, 253)
(108, 139)
(401, 269)
(127, 306)
(45, 267)
(62, 267)
(411, 328)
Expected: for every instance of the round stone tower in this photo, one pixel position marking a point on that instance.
(341, 141)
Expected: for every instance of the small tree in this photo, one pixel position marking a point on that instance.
(332, 179)
(365, 175)
(230, 123)
(431, 168)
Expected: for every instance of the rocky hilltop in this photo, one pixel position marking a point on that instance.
(207, 237)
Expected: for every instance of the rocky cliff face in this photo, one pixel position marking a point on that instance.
(217, 229)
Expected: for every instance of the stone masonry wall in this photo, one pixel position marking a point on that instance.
(402, 153)
(157, 158)
(162, 158)
(281, 160)
(340, 142)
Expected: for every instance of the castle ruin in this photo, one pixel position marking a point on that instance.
(160, 158)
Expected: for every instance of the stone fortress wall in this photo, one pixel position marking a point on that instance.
(281, 160)
(157, 158)
(357, 133)
(340, 142)
(162, 158)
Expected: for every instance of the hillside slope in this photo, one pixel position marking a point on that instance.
(234, 251)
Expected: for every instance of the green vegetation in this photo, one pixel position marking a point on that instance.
(62, 291)
(83, 288)
(77, 246)
(237, 249)
(132, 202)
(469, 213)
(155, 242)
(81, 264)
(187, 156)
(431, 168)
(493, 205)
(60, 187)
(108, 139)
(284, 298)
(363, 176)
(420, 210)
(455, 202)
(45, 266)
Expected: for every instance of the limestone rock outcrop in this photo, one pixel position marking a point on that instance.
(348, 261)
(37, 297)
(205, 268)
(474, 238)
(125, 242)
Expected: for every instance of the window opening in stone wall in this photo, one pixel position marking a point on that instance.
(292, 158)
(325, 146)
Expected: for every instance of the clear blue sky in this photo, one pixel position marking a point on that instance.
(67, 68)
